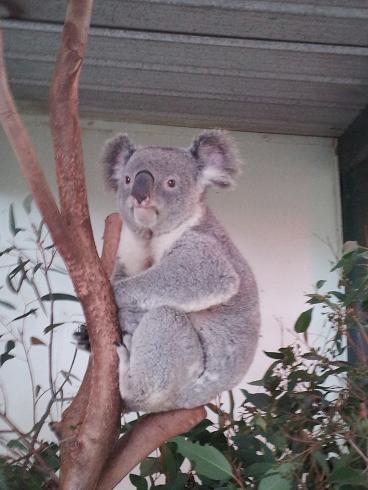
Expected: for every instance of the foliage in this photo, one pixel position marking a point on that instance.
(28, 319)
(304, 425)
(307, 427)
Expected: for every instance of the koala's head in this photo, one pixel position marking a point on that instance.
(159, 188)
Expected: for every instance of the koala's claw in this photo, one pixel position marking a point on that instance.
(81, 338)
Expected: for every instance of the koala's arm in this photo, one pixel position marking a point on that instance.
(193, 276)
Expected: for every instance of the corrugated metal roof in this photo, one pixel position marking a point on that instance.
(297, 67)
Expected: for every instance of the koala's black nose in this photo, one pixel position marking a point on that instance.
(143, 185)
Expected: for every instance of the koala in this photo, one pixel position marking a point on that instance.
(187, 299)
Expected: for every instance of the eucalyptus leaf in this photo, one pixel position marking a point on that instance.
(348, 475)
(274, 355)
(9, 345)
(6, 251)
(320, 284)
(27, 203)
(150, 466)
(259, 400)
(5, 357)
(139, 482)
(208, 460)
(12, 226)
(59, 297)
(32, 311)
(52, 326)
(303, 322)
(274, 482)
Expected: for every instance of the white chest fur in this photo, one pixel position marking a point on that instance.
(134, 252)
(137, 253)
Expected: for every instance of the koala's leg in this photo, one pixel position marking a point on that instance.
(165, 357)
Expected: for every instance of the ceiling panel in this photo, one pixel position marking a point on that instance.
(166, 61)
(318, 21)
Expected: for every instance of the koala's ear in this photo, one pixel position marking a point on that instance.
(115, 155)
(218, 161)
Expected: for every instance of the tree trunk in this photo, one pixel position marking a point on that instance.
(91, 454)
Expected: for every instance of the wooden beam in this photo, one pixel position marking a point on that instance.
(353, 144)
(353, 163)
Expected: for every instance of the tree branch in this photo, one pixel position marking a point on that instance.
(73, 415)
(26, 155)
(89, 426)
(83, 456)
(65, 126)
(147, 435)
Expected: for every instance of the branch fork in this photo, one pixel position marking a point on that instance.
(92, 455)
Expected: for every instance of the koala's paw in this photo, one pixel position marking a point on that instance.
(81, 338)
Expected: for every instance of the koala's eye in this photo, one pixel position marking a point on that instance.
(171, 183)
(127, 180)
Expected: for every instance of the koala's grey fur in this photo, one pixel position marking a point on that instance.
(187, 299)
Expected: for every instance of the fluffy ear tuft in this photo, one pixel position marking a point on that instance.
(115, 155)
(217, 158)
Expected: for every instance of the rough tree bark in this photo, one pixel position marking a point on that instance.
(92, 456)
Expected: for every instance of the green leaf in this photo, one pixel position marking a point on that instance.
(259, 400)
(258, 382)
(12, 220)
(139, 482)
(7, 305)
(274, 355)
(6, 251)
(274, 482)
(51, 457)
(59, 297)
(348, 261)
(197, 432)
(32, 311)
(27, 202)
(348, 475)
(321, 460)
(180, 483)
(257, 470)
(9, 345)
(170, 460)
(303, 322)
(339, 295)
(320, 284)
(39, 231)
(208, 460)
(16, 444)
(12, 226)
(313, 356)
(5, 357)
(150, 466)
(52, 326)
(20, 267)
(36, 267)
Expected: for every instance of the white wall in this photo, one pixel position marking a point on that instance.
(284, 216)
